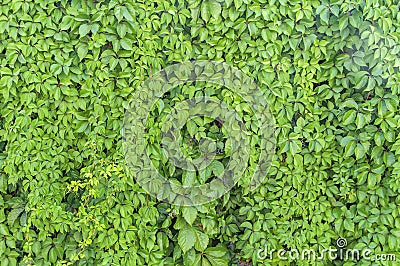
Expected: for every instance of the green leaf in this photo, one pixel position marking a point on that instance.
(350, 103)
(359, 61)
(215, 8)
(82, 51)
(361, 121)
(217, 261)
(186, 238)
(343, 22)
(201, 241)
(372, 180)
(392, 242)
(294, 146)
(126, 44)
(395, 232)
(4, 230)
(14, 214)
(360, 151)
(126, 14)
(216, 252)
(349, 225)
(84, 30)
(349, 149)
(238, 3)
(189, 214)
(191, 127)
(325, 15)
(349, 117)
(217, 168)
(205, 12)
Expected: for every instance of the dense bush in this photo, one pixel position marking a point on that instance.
(329, 70)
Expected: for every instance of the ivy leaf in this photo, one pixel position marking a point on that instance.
(350, 103)
(4, 230)
(217, 168)
(201, 241)
(395, 232)
(82, 51)
(215, 8)
(360, 151)
(217, 261)
(191, 127)
(361, 121)
(349, 225)
(343, 22)
(216, 255)
(294, 146)
(349, 117)
(118, 12)
(359, 61)
(126, 14)
(126, 44)
(84, 30)
(14, 214)
(372, 180)
(186, 238)
(325, 15)
(190, 214)
(392, 242)
(205, 12)
(238, 3)
(349, 149)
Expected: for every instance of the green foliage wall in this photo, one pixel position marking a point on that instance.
(329, 70)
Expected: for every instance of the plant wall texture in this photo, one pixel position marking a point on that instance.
(329, 70)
